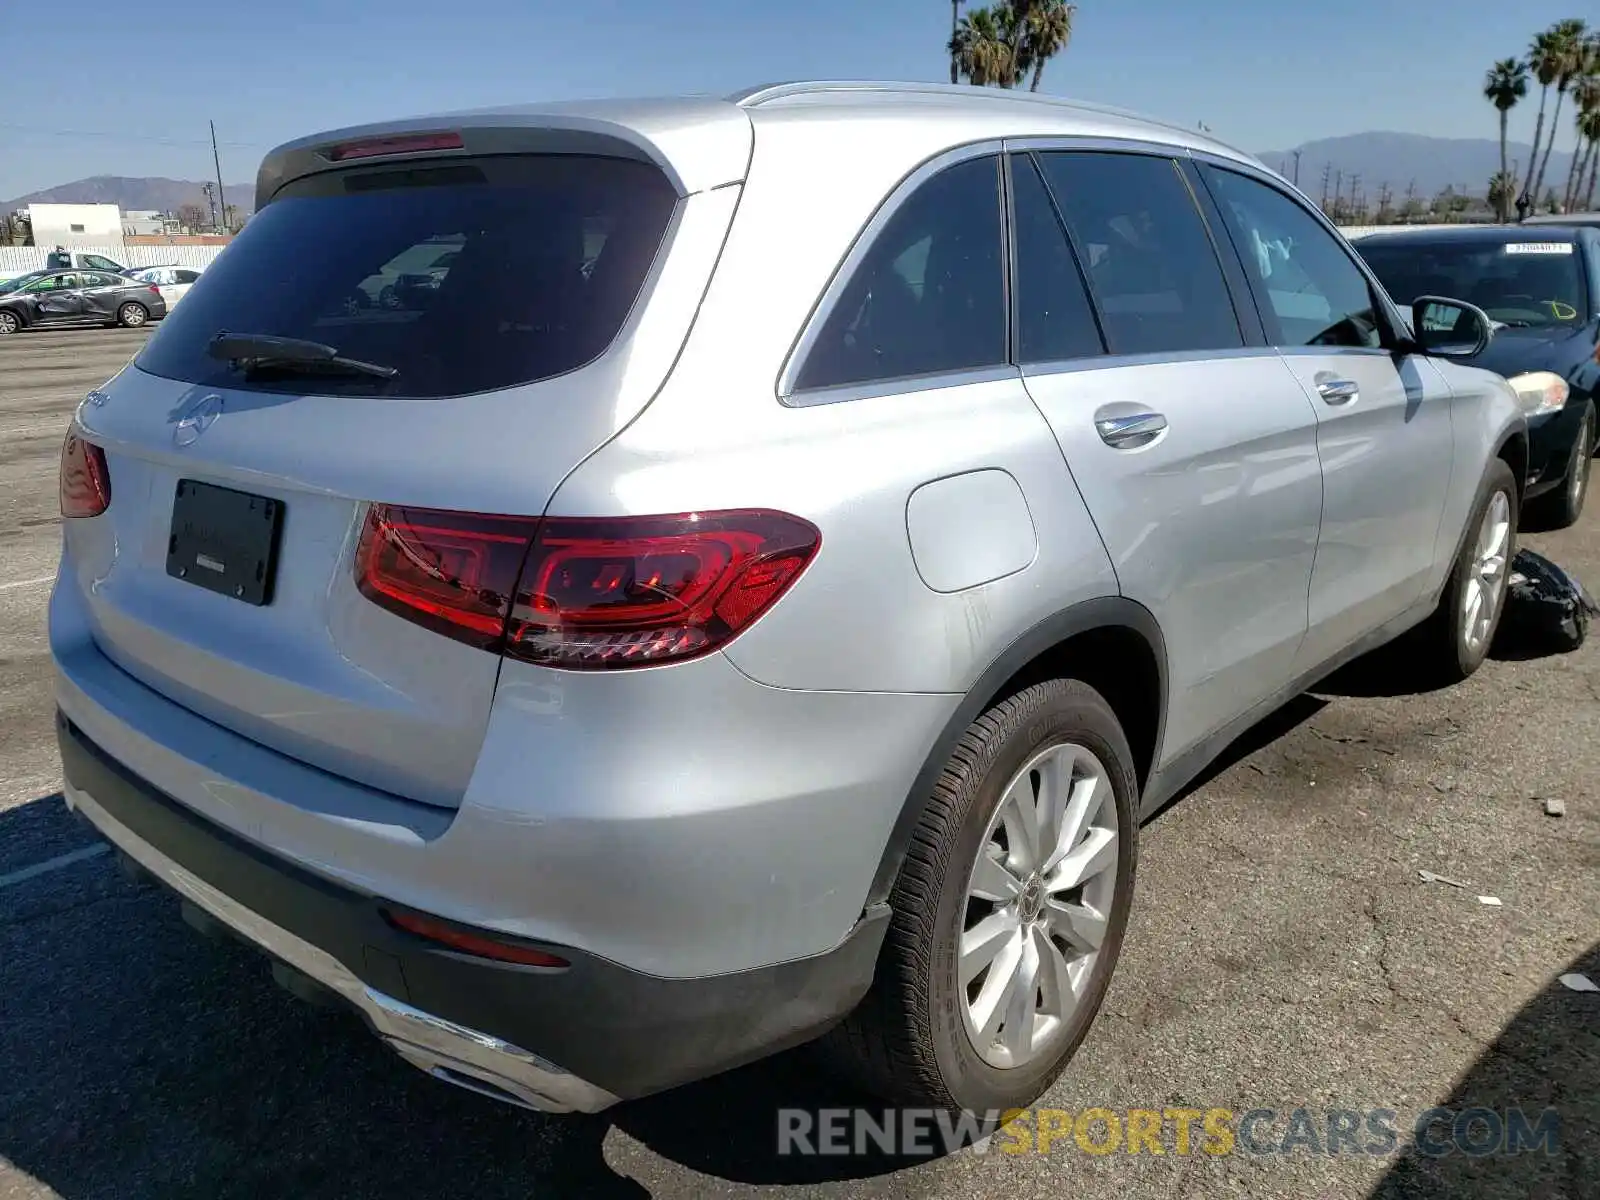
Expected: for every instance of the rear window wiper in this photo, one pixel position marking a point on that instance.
(261, 351)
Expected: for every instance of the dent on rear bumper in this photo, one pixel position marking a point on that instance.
(681, 821)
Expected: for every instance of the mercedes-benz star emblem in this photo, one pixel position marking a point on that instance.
(197, 419)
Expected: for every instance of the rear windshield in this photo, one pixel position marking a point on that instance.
(463, 277)
(1519, 283)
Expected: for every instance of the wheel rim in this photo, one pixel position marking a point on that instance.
(133, 315)
(1480, 599)
(1038, 903)
(8, 323)
(1581, 463)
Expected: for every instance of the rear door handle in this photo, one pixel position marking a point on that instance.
(1337, 391)
(1130, 431)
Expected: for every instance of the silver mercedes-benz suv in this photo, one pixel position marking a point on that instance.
(753, 573)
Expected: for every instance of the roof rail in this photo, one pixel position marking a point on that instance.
(755, 97)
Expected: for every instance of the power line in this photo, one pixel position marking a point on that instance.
(127, 137)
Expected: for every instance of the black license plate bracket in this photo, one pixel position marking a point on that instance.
(225, 541)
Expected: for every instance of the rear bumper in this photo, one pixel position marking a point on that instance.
(578, 1039)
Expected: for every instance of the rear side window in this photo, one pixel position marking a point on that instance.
(929, 296)
(466, 276)
(1054, 318)
(182, 276)
(1148, 255)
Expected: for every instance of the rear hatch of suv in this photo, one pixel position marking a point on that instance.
(245, 470)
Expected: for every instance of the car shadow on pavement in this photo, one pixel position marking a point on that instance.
(143, 1061)
(1547, 1058)
(730, 1127)
(1279, 723)
(1384, 674)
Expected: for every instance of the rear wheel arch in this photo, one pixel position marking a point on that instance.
(1112, 644)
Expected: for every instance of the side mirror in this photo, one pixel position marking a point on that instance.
(1450, 328)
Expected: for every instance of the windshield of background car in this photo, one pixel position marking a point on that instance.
(530, 292)
(1519, 283)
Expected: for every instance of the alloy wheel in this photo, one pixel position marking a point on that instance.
(1480, 599)
(1582, 461)
(1038, 903)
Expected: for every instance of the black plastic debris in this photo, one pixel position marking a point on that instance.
(1547, 609)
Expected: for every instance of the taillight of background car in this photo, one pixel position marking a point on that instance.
(583, 593)
(85, 484)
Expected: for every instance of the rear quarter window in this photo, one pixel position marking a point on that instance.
(465, 276)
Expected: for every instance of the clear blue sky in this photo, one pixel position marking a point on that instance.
(1263, 74)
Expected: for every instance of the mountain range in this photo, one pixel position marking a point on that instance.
(135, 194)
(1403, 159)
(1400, 160)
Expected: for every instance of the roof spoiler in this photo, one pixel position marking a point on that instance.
(698, 143)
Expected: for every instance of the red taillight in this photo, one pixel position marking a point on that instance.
(154, 290)
(406, 144)
(85, 486)
(600, 593)
(592, 593)
(473, 943)
(452, 572)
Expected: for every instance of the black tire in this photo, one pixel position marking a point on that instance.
(9, 323)
(1441, 652)
(132, 315)
(908, 1041)
(1562, 507)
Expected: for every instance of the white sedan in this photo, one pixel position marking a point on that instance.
(171, 282)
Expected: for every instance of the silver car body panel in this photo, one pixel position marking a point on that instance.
(466, 1057)
(322, 674)
(747, 797)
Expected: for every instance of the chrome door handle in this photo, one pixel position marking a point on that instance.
(1338, 391)
(1131, 431)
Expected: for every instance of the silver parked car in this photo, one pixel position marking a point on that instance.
(761, 592)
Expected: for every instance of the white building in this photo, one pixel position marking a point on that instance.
(143, 223)
(97, 226)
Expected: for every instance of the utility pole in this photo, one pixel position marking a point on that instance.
(222, 203)
(1297, 168)
(1327, 170)
(1355, 195)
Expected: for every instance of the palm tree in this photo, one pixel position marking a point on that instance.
(955, 23)
(1571, 52)
(1504, 85)
(1544, 60)
(1589, 127)
(1502, 193)
(1002, 43)
(1049, 30)
(981, 48)
(1013, 21)
(1586, 96)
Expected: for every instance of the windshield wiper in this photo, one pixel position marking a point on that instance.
(260, 351)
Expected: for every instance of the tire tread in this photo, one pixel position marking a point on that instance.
(885, 1046)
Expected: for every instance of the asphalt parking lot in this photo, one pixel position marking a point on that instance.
(1283, 954)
